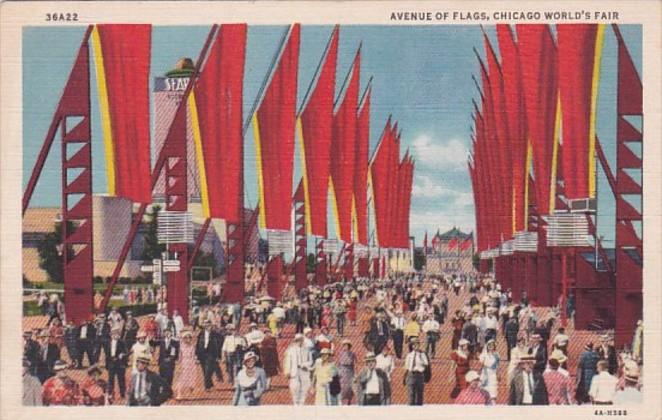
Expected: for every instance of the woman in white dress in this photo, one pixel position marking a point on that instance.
(489, 359)
(250, 383)
(515, 354)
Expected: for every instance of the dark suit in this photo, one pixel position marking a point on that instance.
(168, 355)
(48, 355)
(208, 356)
(84, 345)
(130, 332)
(470, 333)
(541, 358)
(539, 394)
(379, 334)
(116, 365)
(31, 352)
(511, 331)
(100, 339)
(610, 357)
(157, 390)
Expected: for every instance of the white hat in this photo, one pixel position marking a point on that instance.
(250, 355)
(298, 336)
(471, 376)
(307, 330)
(463, 341)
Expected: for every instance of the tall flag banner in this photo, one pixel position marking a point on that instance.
(579, 53)
(215, 106)
(273, 129)
(406, 202)
(315, 129)
(502, 134)
(466, 244)
(343, 153)
(360, 200)
(122, 61)
(392, 185)
(514, 109)
(452, 244)
(538, 58)
(379, 168)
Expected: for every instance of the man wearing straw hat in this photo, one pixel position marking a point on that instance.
(473, 394)
(630, 394)
(559, 385)
(527, 386)
(372, 384)
(61, 389)
(147, 388)
(141, 348)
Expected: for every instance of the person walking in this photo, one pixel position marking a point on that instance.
(116, 361)
(416, 364)
(32, 389)
(48, 355)
(140, 348)
(250, 382)
(603, 385)
(326, 383)
(398, 322)
(268, 355)
(473, 394)
(460, 366)
(297, 367)
(558, 385)
(346, 365)
(373, 385)
(233, 351)
(527, 387)
(511, 331)
(61, 389)
(586, 369)
(489, 359)
(168, 355)
(208, 352)
(147, 388)
(431, 330)
(186, 378)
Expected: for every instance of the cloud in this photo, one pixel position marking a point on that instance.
(450, 155)
(443, 219)
(428, 188)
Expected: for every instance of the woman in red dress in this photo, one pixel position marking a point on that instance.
(326, 315)
(269, 355)
(351, 312)
(460, 358)
(151, 329)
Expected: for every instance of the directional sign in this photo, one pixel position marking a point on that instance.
(156, 278)
(170, 268)
(171, 263)
(147, 268)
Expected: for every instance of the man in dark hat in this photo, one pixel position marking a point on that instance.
(130, 330)
(208, 351)
(147, 388)
(373, 386)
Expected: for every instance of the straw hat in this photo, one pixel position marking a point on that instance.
(298, 336)
(326, 351)
(558, 356)
(369, 357)
(60, 365)
(463, 342)
(346, 341)
(471, 376)
(141, 334)
(144, 359)
(250, 355)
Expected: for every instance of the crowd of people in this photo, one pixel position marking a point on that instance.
(398, 322)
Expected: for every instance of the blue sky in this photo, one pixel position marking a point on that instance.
(421, 76)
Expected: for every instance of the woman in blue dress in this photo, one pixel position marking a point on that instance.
(250, 383)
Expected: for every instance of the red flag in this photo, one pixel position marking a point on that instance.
(361, 171)
(539, 81)
(274, 125)
(452, 244)
(578, 81)
(316, 130)
(343, 153)
(122, 55)
(379, 169)
(466, 244)
(216, 117)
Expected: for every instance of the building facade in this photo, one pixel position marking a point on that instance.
(450, 252)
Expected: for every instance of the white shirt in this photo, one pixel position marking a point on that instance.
(372, 386)
(527, 380)
(416, 361)
(231, 342)
(297, 359)
(398, 322)
(254, 337)
(385, 363)
(279, 312)
(561, 339)
(113, 347)
(628, 396)
(430, 325)
(140, 390)
(491, 323)
(179, 324)
(603, 387)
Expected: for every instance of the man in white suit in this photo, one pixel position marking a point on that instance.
(297, 365)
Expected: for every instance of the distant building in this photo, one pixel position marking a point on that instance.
(450, 252)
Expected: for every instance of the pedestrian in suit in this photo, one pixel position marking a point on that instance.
(372, 384)
(607, 352)
(416, 363)
(30, 351)
(116, 362)
(49, 353)
(511, 332)
(168, 355)
(527, 386)
(85, 334)
(379, 332)
(147, 388)
(130, 330)
(101, 337)
(539, 353)
(208, 351)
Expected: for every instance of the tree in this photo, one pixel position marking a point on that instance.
(50, 259)
(205, 259)
(419, 259)
(310, 263)
(476, 261)
(151, 247)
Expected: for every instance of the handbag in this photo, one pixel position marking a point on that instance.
(334, 385)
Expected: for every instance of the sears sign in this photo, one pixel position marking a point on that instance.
(170, 84)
